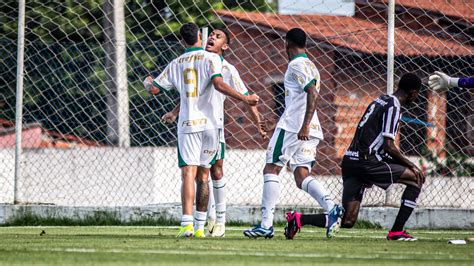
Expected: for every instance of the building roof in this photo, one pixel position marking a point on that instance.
(354, 33)
(35, 136)
(456, 8)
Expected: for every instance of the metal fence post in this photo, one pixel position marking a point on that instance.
(390, 62)
(19, 95)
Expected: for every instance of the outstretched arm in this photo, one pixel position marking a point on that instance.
(225, 89)
(312, 95)
(440, 82)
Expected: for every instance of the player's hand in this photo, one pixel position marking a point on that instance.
(420, 177)
(439, 82)
(262, 129)
(148, 83)
(304, 133)
(252, 99)
(169, 118)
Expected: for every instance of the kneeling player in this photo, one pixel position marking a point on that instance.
(295, 139)
(373, 159)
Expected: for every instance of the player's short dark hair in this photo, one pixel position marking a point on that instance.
(409, 82)
(189, 33)
(297, 36)
(226, 32)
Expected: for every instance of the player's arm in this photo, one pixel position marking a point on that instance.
(439, 81)
(390, 148)
(170, 117)
(214, 70)
(255, 115)
(308, 82)
(225, 89)
(162, 82)
(311, 96)
(237, 83)
(390, 122)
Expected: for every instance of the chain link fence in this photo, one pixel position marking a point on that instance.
(80, 150)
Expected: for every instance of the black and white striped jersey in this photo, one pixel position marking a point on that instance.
(381, 119)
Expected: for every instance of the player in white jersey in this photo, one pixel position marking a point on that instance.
(194, 74)
(218, 42)
(295, 139)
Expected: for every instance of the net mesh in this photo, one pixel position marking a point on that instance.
(72, 152)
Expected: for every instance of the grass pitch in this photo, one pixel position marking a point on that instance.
(157, 245)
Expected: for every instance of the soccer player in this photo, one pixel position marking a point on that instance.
(373, 159)
(295, 139)
(218, 42)
(440, 82)
(198, 126)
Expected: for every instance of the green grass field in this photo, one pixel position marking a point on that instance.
(158, 245)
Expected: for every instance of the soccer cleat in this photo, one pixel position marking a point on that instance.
(293, 225)
(400, 236)
(334, 220)
(186, 231)
(199, 233)
(219, 230)
(259, 231)
(210, 226)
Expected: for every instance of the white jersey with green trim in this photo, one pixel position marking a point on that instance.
(301, 73)
(232, 78)
(191, 74)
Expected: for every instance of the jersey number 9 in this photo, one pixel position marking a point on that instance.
(190, 79)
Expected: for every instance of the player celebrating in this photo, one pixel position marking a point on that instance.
(218, 42)
(373, 159)
(295, 139)
(198, 126)
(440, 82)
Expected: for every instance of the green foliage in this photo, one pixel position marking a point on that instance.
(454, 162)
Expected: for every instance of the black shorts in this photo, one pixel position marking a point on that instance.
(360, 174)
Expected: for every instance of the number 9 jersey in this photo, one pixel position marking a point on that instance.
(191, 75)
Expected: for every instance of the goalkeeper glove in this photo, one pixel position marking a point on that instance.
(440, 82)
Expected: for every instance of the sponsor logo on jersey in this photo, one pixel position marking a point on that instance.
(191, 58)
(210, 152)
(195, 122)
(381, 102)
(352, 153)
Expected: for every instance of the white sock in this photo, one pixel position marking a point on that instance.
(199, 220)
(318, 192)
(186, 220)
(220, 198)
(211, 206)
(271, 191)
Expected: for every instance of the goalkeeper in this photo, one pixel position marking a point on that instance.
(441, 82)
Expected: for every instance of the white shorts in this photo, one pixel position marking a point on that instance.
(198, 148)
(221, 151)
(285, 147)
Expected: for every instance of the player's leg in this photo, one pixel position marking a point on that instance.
(219, 191)
(217, 173)
(202, 198)
(208, 155)
(385, 173)
(302, 161)
(275, 160)
(353, 188)
(188, 155)
(408, 204)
